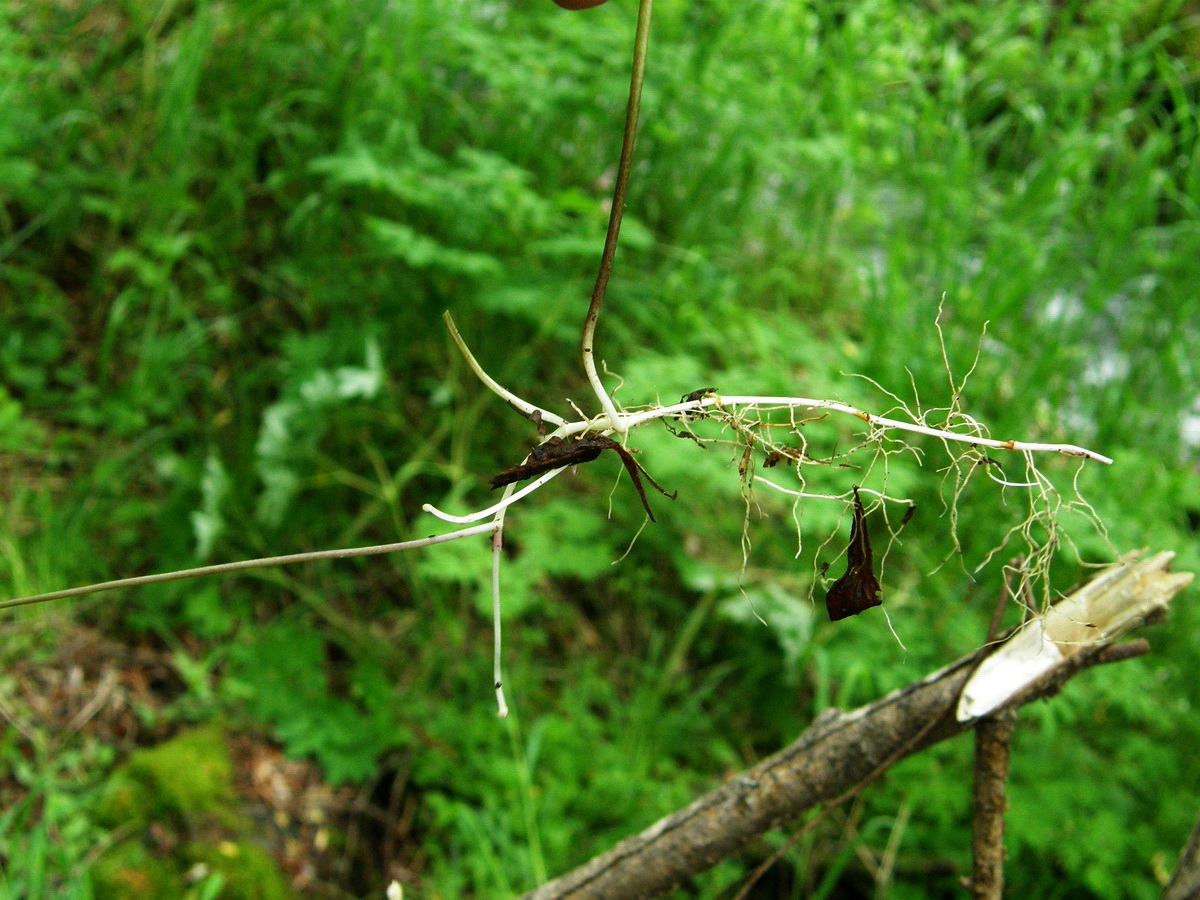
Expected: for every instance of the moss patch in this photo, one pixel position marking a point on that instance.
(247, 872)
(186, 782)
(129, 871)
(178, 798)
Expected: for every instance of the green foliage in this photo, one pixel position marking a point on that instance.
(47, 834)
(228, 233)
(280, 672)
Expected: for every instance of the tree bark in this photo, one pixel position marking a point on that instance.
(1185, 881)
(837, 753)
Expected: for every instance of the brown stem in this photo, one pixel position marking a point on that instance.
(993, 746)
(620, 188)
(633, 467)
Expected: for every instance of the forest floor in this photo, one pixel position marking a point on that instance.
(91, 690)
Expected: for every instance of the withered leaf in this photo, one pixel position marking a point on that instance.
(774, 458)
(744, 462)
(858, 589)
(552, 454)
(556, 453)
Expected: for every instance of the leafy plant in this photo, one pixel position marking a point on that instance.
(198, 222)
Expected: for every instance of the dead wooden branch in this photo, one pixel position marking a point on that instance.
(842, 749)
(993, 746)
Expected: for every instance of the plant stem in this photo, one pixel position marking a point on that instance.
(640, 43)
(524, 407)
(223, 568)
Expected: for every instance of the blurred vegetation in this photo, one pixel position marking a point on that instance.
(179, 794)
(228, 232)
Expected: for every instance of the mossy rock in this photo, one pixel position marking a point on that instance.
(187, 781)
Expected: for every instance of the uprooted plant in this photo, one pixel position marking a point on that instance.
(765, 428)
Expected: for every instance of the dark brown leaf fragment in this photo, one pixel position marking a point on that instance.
(553, 454)
(858, 589)
(775, 457)
(558, 454)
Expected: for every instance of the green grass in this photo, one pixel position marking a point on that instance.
(228, 233)
(49, 783)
